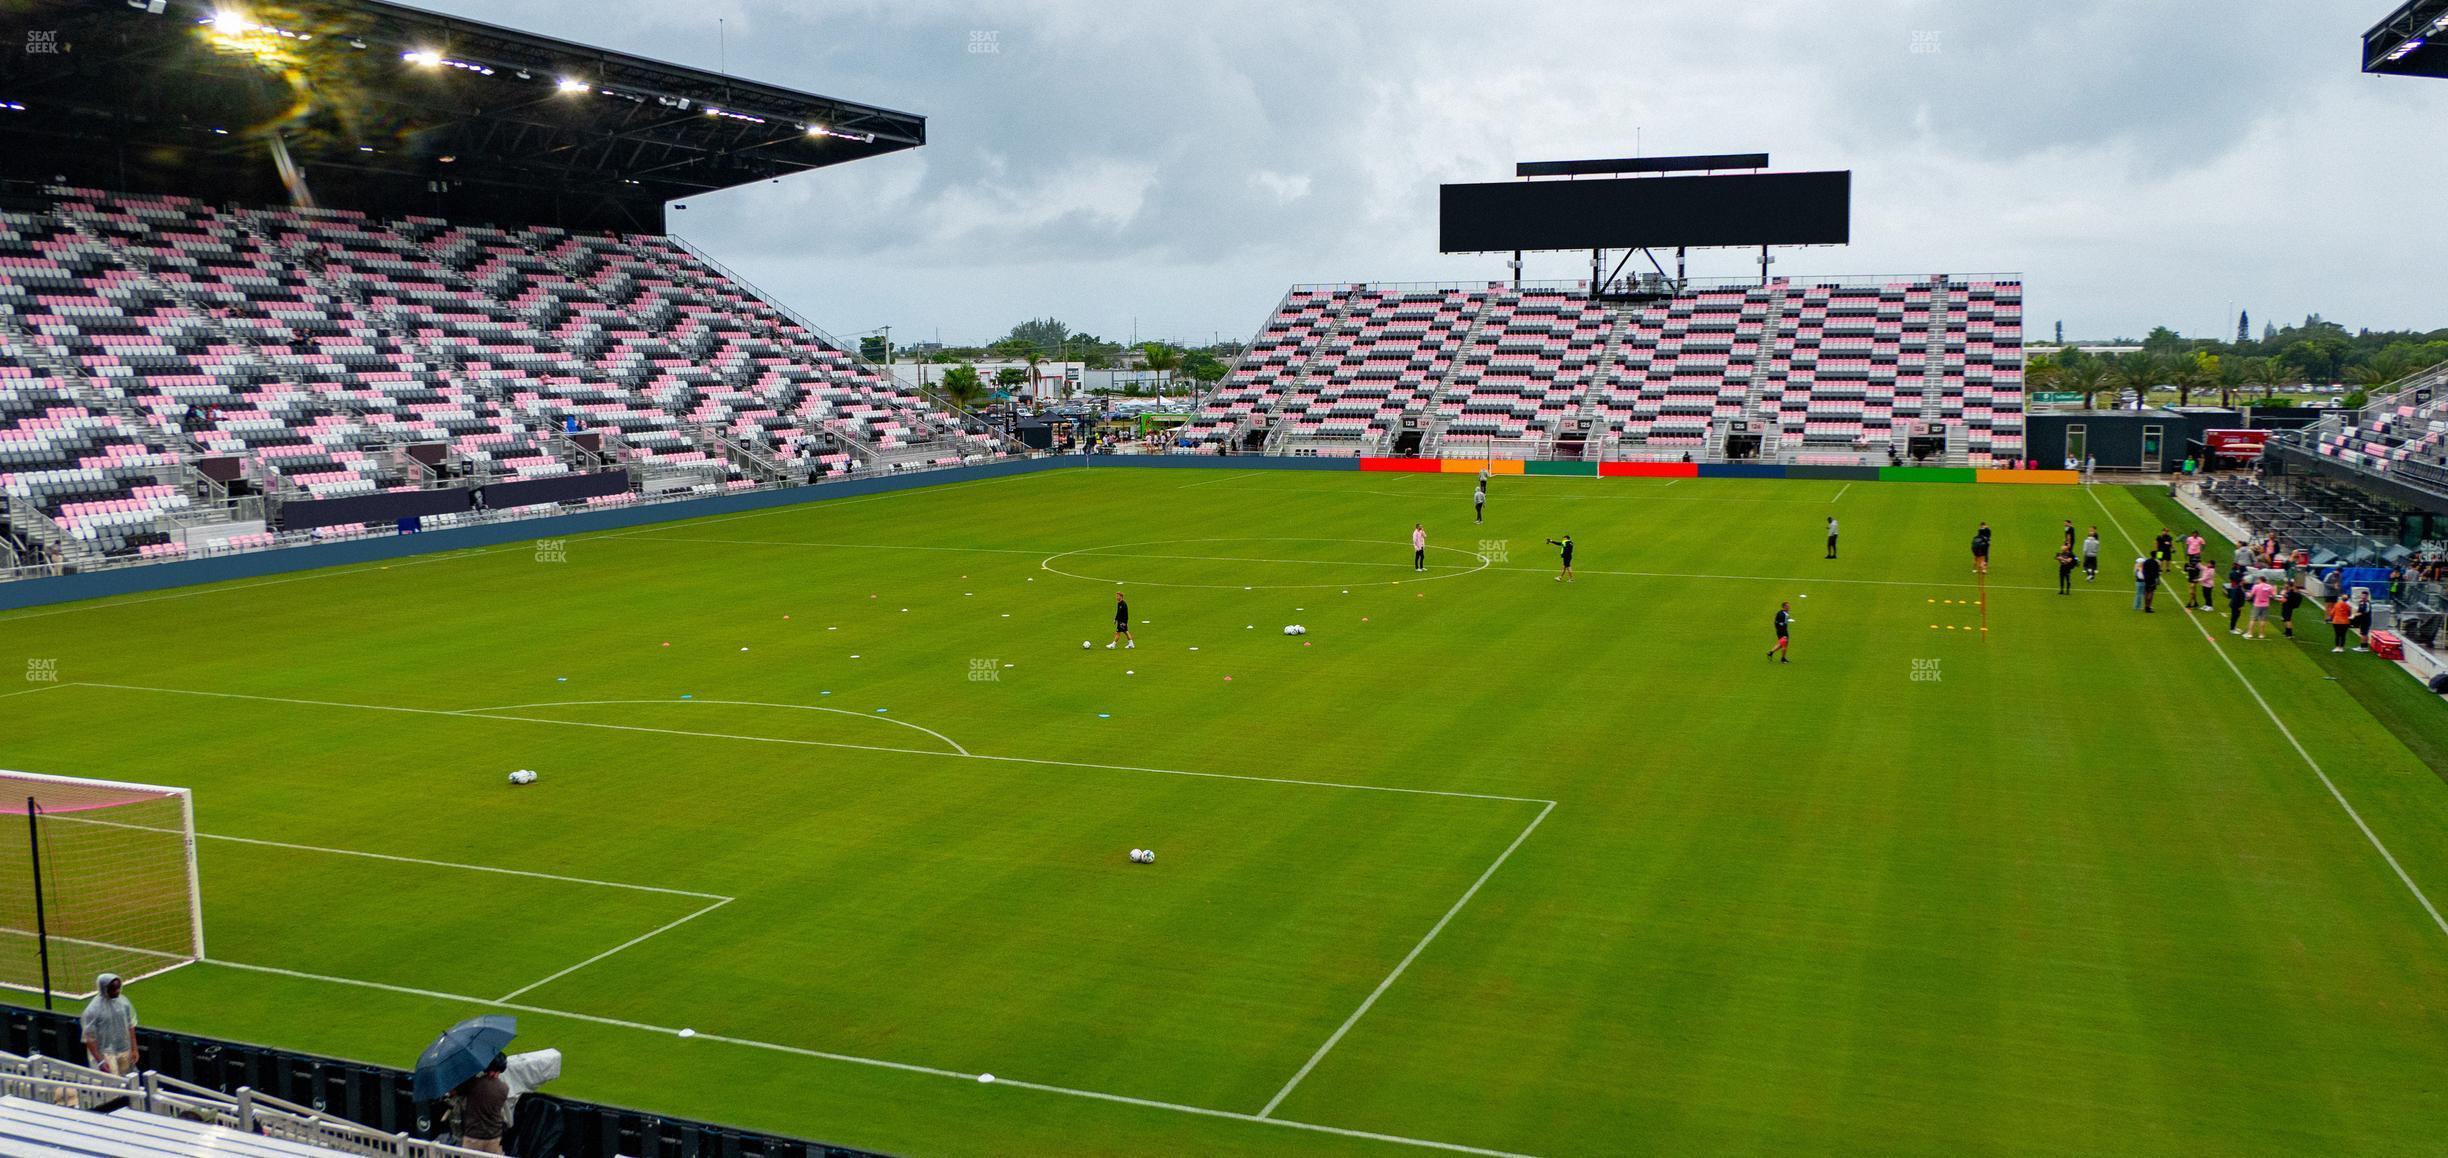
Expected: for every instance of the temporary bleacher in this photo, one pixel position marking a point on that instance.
(1839, 370)
(324, 353)
(2401, 433)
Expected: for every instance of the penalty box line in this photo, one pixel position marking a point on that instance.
(1265, 1115)
(876, 1063)
(716, 900)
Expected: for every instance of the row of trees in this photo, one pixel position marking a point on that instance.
(1042, 340)
(2317, 352)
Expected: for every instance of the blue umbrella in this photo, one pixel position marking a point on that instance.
(462, 1052)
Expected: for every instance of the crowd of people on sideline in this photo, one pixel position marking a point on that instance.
(2259, 577)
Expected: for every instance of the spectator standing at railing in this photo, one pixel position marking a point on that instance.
(109, 1027)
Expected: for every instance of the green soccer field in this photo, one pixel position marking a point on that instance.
(1483, 861)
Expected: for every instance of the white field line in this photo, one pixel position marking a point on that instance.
(2289, 733)
(415, 860)
(718, 899)
(841, 546)
(1327, 562)
(949, 741)
(29, 691)
(1840, 491)
(1402, 965)
(1031, 760)
(852, 1059)
(637, 940)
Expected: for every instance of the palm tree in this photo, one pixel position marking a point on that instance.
(2086, 376)
(2383, 369)
(2138, 372)
(2233, 377)
(1033, 357)
(1163, 359)
(2267, 373)
(962, 386)
(2191, 372)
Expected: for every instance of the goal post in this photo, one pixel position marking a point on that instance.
(96, 876)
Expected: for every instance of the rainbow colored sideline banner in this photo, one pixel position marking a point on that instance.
(1940, 474)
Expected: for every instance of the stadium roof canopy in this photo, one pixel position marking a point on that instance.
(2413, 41)
(371, 105)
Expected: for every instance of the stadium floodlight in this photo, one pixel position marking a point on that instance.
(229, 22)
(419, 56)
(105, 883)
(573, 84)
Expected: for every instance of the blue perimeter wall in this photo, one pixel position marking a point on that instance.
(375, 549)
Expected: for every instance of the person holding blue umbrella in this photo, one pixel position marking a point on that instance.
(466, 1062)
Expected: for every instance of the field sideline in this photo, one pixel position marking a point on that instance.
(1484, 862)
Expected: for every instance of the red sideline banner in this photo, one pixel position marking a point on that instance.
(2235, 443)
(1421, 465)
(1648, 470)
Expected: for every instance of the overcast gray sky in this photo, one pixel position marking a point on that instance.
(1176, 167)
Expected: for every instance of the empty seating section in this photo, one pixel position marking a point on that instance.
(1828, 367)
(316, 347)
(673, 329)
(2404, 430)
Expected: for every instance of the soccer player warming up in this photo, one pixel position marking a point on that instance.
(1784, 630)
(1980, 550)
(1566, 544)
(1122, 633)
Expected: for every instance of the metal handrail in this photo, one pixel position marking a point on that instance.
(57, 1082)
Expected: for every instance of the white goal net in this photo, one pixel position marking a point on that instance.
(96, 877)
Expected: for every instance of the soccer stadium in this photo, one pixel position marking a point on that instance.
(499, 680)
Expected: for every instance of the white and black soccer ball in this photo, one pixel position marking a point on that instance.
(1086, 644)
(523, 776)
